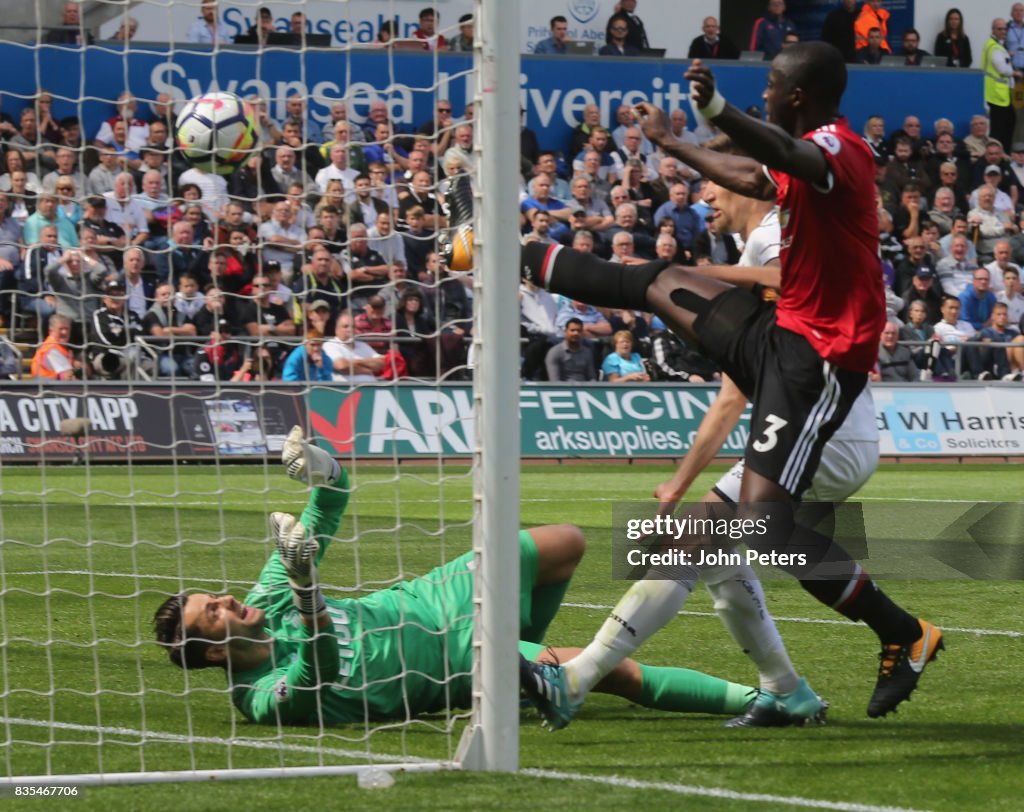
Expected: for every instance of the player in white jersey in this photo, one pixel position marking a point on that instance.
(761, 247)
(848, 460)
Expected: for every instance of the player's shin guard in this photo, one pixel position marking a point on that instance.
(646, 607)
(588, 278)
(740, 603)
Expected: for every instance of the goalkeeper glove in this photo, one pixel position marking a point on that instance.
(306, 463)
(298, 550)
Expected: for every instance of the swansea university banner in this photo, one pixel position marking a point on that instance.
(553, 91)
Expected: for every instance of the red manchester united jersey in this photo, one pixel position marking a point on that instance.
(832, 290)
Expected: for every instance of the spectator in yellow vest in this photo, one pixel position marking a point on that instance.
(999, 77)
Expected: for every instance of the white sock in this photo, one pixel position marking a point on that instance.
(647, 606)
(741, 606)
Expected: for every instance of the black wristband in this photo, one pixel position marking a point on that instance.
(309, 601)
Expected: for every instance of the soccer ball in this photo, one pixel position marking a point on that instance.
(216, 132)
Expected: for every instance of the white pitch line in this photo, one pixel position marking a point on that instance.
(174, 503)
(596, 606)
(825, 621)
(711, 792)
(256, 744)
(612, 780)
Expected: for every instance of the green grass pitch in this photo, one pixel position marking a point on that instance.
(95, 556)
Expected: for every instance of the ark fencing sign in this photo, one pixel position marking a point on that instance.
(619, 421)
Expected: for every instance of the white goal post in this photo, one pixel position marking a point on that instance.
(496, 392)
(106, 522)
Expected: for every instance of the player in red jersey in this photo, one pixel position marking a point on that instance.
(802, 360)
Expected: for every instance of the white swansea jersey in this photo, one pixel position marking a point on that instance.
(763, 243)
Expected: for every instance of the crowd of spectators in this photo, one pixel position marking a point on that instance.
(625, 34)
(950, 215)
(122, 260)
(319, 260)
(858, 28)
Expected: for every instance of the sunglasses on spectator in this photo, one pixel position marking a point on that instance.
(444, 109)
(619, 28)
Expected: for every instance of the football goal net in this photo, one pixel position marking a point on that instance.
(165, 326)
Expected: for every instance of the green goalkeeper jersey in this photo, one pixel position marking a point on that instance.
(391, 654)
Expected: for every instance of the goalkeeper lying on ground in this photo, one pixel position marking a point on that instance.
(295, 657)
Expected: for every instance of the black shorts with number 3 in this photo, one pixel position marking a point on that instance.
(799, 399)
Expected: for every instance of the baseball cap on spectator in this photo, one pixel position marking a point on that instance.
(992, 169)
(223, 326)
(578, 211)
(271, 265)
(924, 273)
(114, 286)
(320, 304)
(1018, 146)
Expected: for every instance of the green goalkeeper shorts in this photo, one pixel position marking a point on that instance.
(446, 592)
(444, 603)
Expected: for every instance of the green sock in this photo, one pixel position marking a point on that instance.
(682, 690)
(545, 602)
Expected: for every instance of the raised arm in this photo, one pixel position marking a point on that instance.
(305, 462)
(738, 173)
(767, 143)
(292, 694)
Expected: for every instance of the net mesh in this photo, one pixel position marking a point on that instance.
(141, 426)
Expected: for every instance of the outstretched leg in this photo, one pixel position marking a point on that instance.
(731, 324)
(559, 549)
(676, 295)
(655, 601)
(679, 690)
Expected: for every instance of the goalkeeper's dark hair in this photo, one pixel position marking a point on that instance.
(169, 624)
